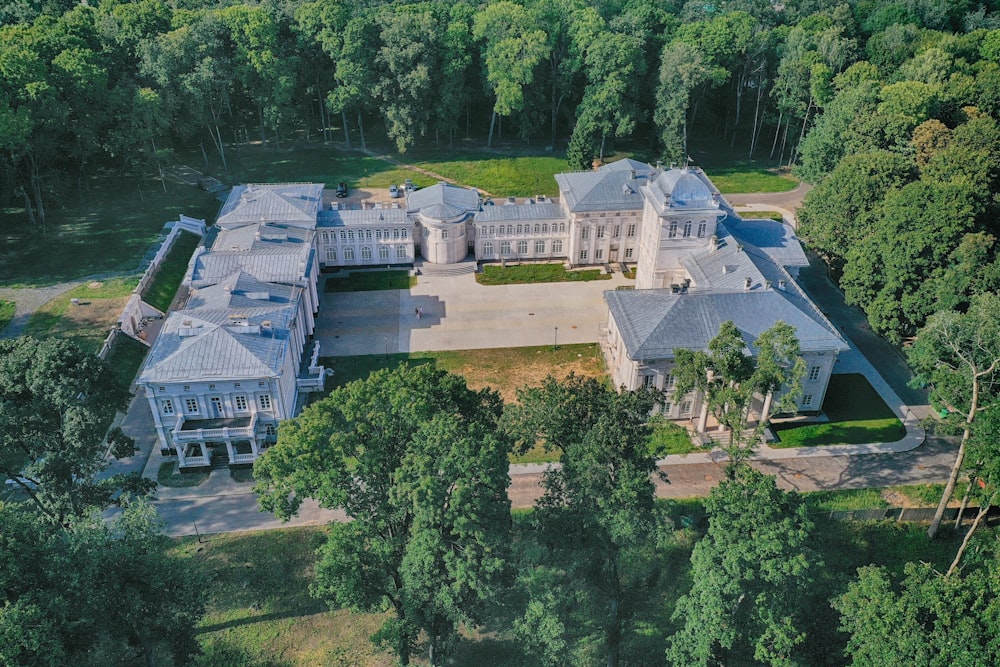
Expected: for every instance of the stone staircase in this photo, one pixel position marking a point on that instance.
(457, 269)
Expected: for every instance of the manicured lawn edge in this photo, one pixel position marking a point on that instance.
(523, 274)
(7, 309)
(370, 281)
(161, 290)
(168, 475)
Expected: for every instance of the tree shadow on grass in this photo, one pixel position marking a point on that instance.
(225, 654)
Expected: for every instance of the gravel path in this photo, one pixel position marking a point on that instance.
(29, 299)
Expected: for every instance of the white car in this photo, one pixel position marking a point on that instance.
(394, 192)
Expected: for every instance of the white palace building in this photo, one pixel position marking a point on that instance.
(235, 359)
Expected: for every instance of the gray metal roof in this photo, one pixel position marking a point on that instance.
(290, 203)
(516, 212)
(281, 264)
(241, 291)
(776, 239)
(443, 201)
(209, 344)
(683, 189)
(370, 216)
(627, 164)
(610, 190)
(653, 323)
(262, 236)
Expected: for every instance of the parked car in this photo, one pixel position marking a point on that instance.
(394, 192)
(341, 189)
(409, 186)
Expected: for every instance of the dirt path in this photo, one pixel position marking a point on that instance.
(29, 299)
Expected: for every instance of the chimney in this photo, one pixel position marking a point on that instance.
(631, 174)
(714, 242)
(782, 284)
(747, 283)
(659, 165)
(739, 247)
(767, 284)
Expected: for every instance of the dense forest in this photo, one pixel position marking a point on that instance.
(889, 107)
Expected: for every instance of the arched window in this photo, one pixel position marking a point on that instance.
(350, 234)
(545, 229)
(687, 229)
(401, 252)
(378, 234)
(505, 248)
(383, 252)
(348, 254)
(331, 254)
(539, 247)
(538, 228)
(520, 229)
(522, 247)
(368, 234)
(672, 232)
(701, 229)
(487, 249)
(343, 235)
(366, 253)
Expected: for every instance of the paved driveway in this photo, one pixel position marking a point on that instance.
(460, 314)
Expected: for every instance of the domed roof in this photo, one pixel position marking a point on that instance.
(685, 189)
(443, 202)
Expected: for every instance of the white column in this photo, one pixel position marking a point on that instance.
(229, 449)
(204, 450)
(767, 406)
(703, 417)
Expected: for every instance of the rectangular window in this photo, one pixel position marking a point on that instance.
(686, 407)
(383, 252)
(522, 247)
(687, 229)
(539, 247)
(378, 233)
(240, 403)
(670, 382)
(270, 430)
(395, 233)
(505, 247)
(585, 233)
(191, 406)
(599, 253)
(807, 399)
(444, 233)
(366, 253)
(331, 254)
(600, 232)
(614, 232)
(583, 255)
(217, 405)
(630, 231)
(404, 233)
(647, 381)
(701, 229)
(666, 408)
(814, 373)
(350, 234)
(368, 234)
(264, 401)
(167, 407)
(343, 235)
(488, 249)
(628, 253)
(557, 247)
(672, 233)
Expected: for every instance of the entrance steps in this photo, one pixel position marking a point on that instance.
(458, 269)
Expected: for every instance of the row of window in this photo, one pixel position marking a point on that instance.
(511, 230)
(366, 253)
(602, 231)
(599, 254)
(240, 404)
(366, 234)
(670, 381)
(522, 248)
(617, 214)
(672, 230)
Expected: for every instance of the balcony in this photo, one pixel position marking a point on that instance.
(243, 458)
(203, 430)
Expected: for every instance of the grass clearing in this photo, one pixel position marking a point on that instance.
(746, 177)
(88, 321)
(857, 415)
(522, 274)
(161, 290)
(105, 226)
(669, 438)
(761, 215)
(170, 476)
(370, 281)
(7, 309)
(498, 175)
(503, 369)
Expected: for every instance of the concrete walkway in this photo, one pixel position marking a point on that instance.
(29, 299)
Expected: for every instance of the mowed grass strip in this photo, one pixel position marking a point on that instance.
(7, 309)
(498, 175)
(523, 274)
(370, 281)
(88, 321)
(126, 358)
(857, 415)
(761, 215)
(743, 178)
(161, 290)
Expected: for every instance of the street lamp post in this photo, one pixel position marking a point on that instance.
(555, 339)
(386, 347)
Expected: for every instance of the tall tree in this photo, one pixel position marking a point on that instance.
(958, 355)
(414, 459)
(733, 374)
(598, 515)
(511, 52)
(750, 573)
(56, 403)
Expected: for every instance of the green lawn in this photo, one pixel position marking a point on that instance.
(747, 178)
(669, 438)
(370, 281)
(168, 475)
(762, 215)
(857, 414)
(126, 358)
(498, 175)
(7, 309)
(104, 227)
(160, 292)
(494, 274)
(88, 322)
(260, 613)
(504, 369)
